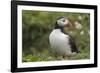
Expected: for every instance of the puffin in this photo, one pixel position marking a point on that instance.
(61, 42)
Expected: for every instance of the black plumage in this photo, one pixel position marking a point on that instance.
(73, 45)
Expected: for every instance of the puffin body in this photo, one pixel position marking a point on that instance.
(61, 43)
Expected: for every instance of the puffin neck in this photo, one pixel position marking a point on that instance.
(59, 27)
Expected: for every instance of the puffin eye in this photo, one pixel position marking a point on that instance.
(63, 20)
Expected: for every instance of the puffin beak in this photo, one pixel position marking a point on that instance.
(70, 25)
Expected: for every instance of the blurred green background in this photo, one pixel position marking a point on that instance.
(36, 28)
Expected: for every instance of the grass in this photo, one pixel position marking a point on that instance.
(48, 56)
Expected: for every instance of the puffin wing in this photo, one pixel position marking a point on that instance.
(73, 45)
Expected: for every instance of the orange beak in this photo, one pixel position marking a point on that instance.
(70, 25)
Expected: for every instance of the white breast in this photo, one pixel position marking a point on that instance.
(60, 42)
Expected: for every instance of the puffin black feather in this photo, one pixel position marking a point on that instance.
(73, 45)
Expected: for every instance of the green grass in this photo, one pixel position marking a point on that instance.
(48, 56)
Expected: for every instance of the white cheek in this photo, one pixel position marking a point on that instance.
(60, 23)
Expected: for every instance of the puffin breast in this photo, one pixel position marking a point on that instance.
(59, 42)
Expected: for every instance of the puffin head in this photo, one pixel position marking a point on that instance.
(63, 22)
